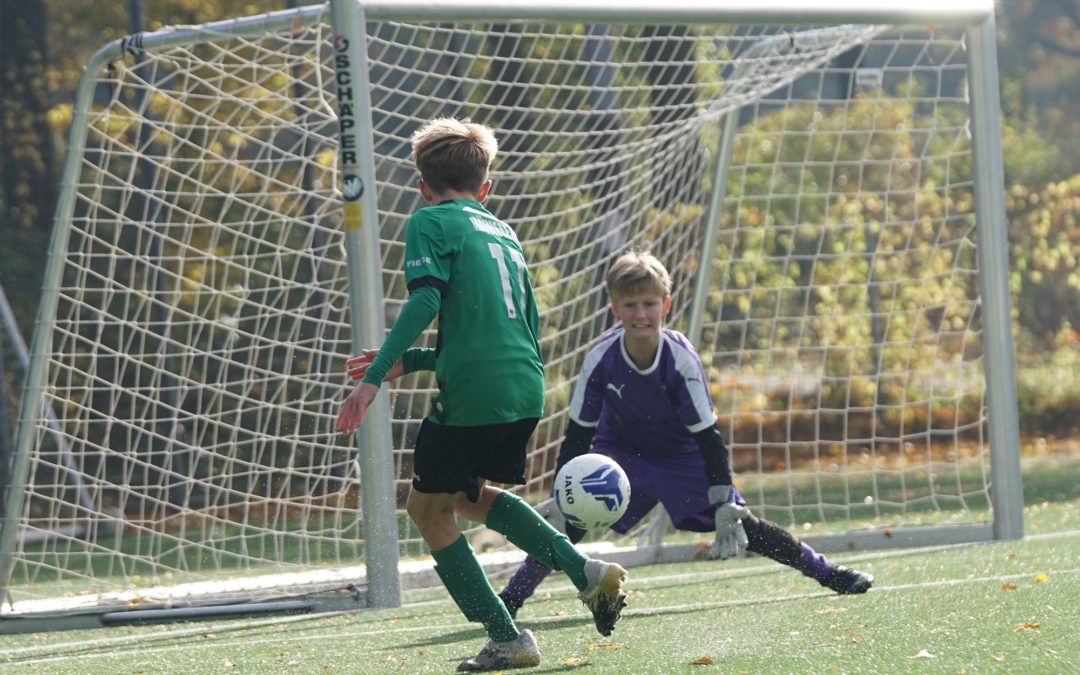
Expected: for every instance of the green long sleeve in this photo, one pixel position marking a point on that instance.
(417, 313)
(418, 358)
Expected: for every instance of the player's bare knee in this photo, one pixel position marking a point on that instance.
(473, 511)
(429, 510)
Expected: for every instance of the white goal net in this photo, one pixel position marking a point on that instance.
(810, 187)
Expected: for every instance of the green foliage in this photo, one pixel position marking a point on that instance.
(1047, 395)
(1037, 50)
(27, 185)
(1030, 158)
(903, 234)
(84, 26)
(1044, 247)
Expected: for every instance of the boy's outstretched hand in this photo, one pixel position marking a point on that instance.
(354, 408)
(357, 366)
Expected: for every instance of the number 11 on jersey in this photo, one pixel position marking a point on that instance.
(498, 252)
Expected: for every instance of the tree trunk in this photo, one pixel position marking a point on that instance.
(26, 165)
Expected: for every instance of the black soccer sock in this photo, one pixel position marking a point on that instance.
(772, 541)
(768, 539)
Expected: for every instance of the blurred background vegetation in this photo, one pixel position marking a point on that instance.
(44, 43)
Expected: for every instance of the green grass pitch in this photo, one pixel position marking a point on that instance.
(1011, 607)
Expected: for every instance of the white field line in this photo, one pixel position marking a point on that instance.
(83, 649)
(136, 645)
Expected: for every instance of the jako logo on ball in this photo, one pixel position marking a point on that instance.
(592, 491)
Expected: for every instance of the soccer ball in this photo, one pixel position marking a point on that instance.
(592, 492)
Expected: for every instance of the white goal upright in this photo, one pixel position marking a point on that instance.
(823, 179)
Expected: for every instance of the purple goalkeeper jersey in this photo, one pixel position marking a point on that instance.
(651, 412)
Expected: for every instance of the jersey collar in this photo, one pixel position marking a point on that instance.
(630, 362)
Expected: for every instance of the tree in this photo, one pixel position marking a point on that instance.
(26, 167)
(1039, 49)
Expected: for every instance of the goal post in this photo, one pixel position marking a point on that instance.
(824, 183)
(989, 179)
(356, 167)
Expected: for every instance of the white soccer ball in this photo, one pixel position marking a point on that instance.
(592, 492)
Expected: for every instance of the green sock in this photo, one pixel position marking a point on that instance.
(463, 577)
(525, 528)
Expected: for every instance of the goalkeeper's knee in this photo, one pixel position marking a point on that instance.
(549, 509)
(574, 534)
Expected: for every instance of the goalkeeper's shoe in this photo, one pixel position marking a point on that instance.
(520, 652)
(604, 595)
(847, 581)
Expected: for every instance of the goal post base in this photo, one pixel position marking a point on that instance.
(848, 542)
(348, 598)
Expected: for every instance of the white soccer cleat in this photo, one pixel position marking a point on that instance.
(521, 652)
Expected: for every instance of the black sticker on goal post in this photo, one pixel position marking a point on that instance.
(352, 187)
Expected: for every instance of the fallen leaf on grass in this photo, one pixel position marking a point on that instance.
(703, 661)
(573, 661)
(1008, 586)
(1028, 625)
(995, 657)
(923, 654)
(602, 645)
(1042, 577)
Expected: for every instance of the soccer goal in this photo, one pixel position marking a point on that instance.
(824, 181)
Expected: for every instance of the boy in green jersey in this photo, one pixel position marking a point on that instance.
(466, 266)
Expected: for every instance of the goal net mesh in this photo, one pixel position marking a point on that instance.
(195, 362)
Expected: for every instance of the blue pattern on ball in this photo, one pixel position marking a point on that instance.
(603, 486)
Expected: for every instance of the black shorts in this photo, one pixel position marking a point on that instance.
(458, 459)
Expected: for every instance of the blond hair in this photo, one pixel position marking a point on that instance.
(637, 272)
(453, 154)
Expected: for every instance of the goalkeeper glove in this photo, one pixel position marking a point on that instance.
(730, 536)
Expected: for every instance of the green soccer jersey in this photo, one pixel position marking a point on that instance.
(488, 363)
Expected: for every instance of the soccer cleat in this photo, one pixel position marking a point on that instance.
(847, 581)
(604, 595)
(521, 652)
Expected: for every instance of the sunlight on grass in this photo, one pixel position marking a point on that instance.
(1008, 605)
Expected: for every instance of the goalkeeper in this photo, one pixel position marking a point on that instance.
(642, 399)
(466, 266)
